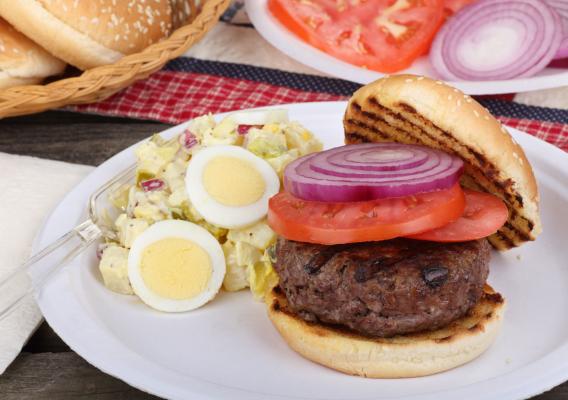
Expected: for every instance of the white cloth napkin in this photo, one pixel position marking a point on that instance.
(31, 187)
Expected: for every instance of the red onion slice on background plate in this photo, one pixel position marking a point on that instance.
(371, 171)
(561, 6)
(496, 40)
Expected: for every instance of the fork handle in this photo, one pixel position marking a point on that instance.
(32, 275)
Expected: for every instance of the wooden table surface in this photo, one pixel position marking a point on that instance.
(47, 368)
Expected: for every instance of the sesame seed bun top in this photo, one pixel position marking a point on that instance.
(419, 110)
(88, 33)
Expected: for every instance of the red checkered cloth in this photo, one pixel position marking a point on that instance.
(189, 87)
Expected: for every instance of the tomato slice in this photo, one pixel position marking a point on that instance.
(383, 35)
(484, 214)
(335, 223)
(453, 6)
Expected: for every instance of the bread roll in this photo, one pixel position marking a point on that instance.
(418, 110)
(90, 33)
(22, 62)
(405, 356)
(183, 11)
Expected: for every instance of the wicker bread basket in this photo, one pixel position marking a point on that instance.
(99, 83)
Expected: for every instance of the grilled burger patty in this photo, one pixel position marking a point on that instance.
(383, 288)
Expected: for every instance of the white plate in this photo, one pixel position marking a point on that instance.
(289, 44)
(229, 350)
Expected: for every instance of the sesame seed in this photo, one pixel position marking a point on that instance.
(476, 113)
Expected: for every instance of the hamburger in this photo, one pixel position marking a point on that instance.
(384, 244)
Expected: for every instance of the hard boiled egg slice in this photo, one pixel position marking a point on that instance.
(176, 266)
(230, 186)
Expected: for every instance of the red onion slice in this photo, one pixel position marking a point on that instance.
(371, 171)
(560, 6)
(188, 140)
(152, 184)
(496, 39)
(243, 129)
(390, 159)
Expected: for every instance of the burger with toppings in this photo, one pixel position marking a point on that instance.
(384, 243)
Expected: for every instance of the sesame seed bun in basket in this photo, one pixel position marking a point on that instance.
(22, 62)
(418, 110)
(89, 34)
(115, 42)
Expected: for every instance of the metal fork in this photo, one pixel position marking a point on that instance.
(42, 265)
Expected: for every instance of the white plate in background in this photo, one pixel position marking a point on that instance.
(229, 350)
(285, 41)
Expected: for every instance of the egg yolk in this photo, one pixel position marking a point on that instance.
(233, 181)
(175, 268)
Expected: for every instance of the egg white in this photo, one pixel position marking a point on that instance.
(230, 217)
(183, 230)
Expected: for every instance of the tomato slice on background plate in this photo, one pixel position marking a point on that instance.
(453, 6)
(335, 223)
(484, 214)
(382, 35)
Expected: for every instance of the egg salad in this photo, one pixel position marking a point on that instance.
(195, 217)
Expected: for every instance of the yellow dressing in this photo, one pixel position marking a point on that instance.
(233, 181)
(175, 268)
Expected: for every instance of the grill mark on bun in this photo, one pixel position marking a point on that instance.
(485, 173)
(506, 241)
(407, 107)
(522, 235)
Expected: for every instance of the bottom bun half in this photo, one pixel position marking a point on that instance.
(407, 356)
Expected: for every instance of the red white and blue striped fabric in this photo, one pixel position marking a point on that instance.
(188, 87)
